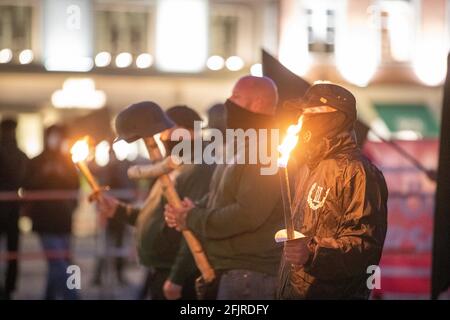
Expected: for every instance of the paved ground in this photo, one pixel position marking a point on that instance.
(32, 274)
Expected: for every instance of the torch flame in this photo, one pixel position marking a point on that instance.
(80, 150)
(289, 143)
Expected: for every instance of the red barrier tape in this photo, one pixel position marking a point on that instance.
(57, 254)
(49, 195)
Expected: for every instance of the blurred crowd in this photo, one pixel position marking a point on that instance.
(52, 171)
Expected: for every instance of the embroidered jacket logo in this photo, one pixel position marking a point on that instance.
(318, 201)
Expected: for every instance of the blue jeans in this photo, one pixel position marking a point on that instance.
(246, 285)
(57, 246)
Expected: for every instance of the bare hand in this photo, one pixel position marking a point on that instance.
(297, 251)
(172, 291)
(176, 217)
(107, 206)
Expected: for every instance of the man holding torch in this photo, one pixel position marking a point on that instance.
(159, 247)
(238, 218)
(339, 203)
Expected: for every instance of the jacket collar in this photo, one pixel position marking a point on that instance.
(343, 143)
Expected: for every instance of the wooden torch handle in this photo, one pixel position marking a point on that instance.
(172, 197)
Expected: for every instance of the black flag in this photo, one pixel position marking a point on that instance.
(440, 280)
(290, 86)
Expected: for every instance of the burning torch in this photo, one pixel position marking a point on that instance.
(80, 152)
(145, 120)
(285, 149)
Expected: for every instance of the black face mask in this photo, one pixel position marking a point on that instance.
(323, 125)
(239, 118)
(317, 132)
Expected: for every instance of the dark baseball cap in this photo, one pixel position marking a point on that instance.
(141, 120)
(326, 94)
(183, 116)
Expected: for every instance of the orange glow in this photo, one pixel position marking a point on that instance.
(289, 143)
(80, 150)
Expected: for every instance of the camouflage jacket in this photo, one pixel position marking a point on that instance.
(340, 202)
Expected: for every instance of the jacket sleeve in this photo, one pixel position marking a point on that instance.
(183, 266)
(255, 199)
(360, 236)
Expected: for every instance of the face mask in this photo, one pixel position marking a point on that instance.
(323, 125)
(316, 128)
(239, 118)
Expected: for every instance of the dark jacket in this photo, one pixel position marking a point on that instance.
(341, 202)
(52, 171)
(162, 247)
(240, 218)
(13, 166)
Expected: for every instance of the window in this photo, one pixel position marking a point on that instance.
(231, 30)
(123, 31)
(223, 35)
(15, 27)
(321, 24)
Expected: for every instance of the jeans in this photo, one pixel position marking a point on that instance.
(246, 285)
(57, 248)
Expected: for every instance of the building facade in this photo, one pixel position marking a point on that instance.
(62, 58)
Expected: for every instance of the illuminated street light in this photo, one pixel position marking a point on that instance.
(124, 60)
(357, 56)
(5, 55)
(429, 61)
(215, 63)
(79, 93)
(181, 35)
(102, 153)
(102, 59)
(26, 56)
(293, 50)
(144, 60)
(121, 150)
(256, 70)
(234, 63)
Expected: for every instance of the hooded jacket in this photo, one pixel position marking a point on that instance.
(340, 202)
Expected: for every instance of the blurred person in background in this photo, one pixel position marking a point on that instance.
(217, 117)
(13, 166)
(113, 175)
(161, 248)
(52, 219)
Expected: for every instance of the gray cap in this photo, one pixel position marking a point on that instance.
(141, 120)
